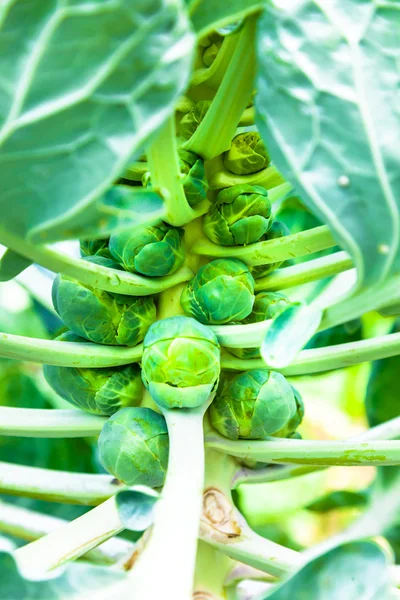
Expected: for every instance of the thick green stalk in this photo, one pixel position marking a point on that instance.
(386, 431)
(312, 270)
(317, 360)
(214, 134)
(57, 486)
(66, 354)
(318, 453)
(279, 250)
(212, 570)
(162, 570)
(48, 423)
(72, 540)
(97, 276)
(269, 178)
(212, 76)
(31, 525)
(163, 162)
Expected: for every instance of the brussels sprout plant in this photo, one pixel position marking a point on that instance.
(199, 292)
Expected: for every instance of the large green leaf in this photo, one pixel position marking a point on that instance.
(83, 86)
(327, 104)
(352, 571)
(207, 15)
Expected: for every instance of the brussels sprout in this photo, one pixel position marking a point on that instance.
(253, 405)
(276, 231)
(152, 250)
(289, 430)
(190, 122)
(180, 363)
(267, 305)
(133, 446)
(195, 184)
(95, 247)
(240, 215)
(100, 316)
(247, 154)
(97, 391)
(222, 291)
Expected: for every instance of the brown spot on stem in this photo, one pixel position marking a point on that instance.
(218, 520)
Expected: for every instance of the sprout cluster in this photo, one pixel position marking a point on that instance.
(247, 154)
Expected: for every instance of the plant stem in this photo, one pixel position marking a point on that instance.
(269, 178)
(57, 486)
(318, 453)
(163, 162)
(225, 529)
(72, 540)
(48, 423)
(214, 134)
(212, 569)
(317, 360)
(317, 268)
(97, 276)
(386, 431)
(31, 525)
(67, 354)
(162, 571)
(271, 251)
(212, 76)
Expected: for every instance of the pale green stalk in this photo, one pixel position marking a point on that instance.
(305, 272)
(386, 431)
(31, 525)
(271, 251)
(48, 423)
(71, 541)
(97, 276)
(328, 358)
(305, 452)
(177, 514)
(57, 486)
(67, 354)
(166, 178)
(214, 134)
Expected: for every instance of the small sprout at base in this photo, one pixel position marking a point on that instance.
(240, 215)
(102, 317)
(96, 391)
(267, 305)
(134, 445)
(221, 292)
(278, 230)
(190, 122)
(180, 363)
(152, 250)
(194, 182)
(211, 45)
(253, 405)
(247, 154)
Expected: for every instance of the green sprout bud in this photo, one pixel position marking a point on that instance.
(95, 248)
(190, 122)
(253, 405)
(133, 446)
(222, 291)
(241, 215)
(180, 363)
(100, 316)
(211, 44)
(247, 154)
(267, 305)
(195, 184)
(276, 231)
(289, 430)
(97, 391)
(151, 250)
